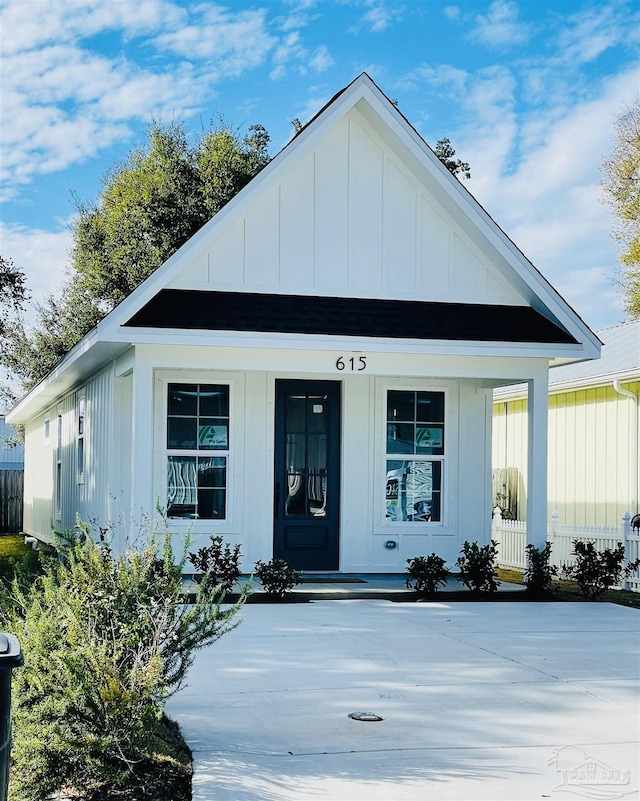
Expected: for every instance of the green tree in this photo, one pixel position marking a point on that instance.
(13, 291)
(148, 207)
(445, 152)
(621, 185)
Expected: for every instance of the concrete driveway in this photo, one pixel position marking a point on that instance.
(491, 701)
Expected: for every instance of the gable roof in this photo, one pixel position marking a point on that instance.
(116, 332)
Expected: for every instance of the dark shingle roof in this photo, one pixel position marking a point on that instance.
(361, 317)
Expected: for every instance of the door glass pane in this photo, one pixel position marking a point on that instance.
(317, 452)
(317, 493)
(296, 452)
(296, 413)
(295, 500)
(306, 455)
(317, 414)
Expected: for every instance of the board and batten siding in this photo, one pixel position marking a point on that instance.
(87, 496)
(590, 436)
(364, 534)
(348, 219)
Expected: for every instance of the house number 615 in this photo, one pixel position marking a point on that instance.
(354, 364)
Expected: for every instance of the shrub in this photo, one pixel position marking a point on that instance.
(218, 563)
(107, 639)
(427, 573)
(596, 571)
(539, 573)
(277, 577)
(477, 566)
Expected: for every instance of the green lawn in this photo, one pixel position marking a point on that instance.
(13, 545)
(564, 590)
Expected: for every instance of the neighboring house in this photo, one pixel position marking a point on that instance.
(11, 451)
(311, 375)
(593, 436)
(11, 478)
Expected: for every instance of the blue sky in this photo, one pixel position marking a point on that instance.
(527, 91)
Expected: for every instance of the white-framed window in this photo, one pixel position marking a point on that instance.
(80, 432)
(59, 465)
(197, 446)
(414, 456)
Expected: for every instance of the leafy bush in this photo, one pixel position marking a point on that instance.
(107, 639)
(427, 573)
(477, 566)
(277, 577)
(596, 571)
(539, 573)
(218, 563)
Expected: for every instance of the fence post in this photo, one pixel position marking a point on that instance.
(553, 527)
(628, 555)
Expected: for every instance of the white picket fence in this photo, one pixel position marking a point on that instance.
(512, 538)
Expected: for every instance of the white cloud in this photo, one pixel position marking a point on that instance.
(312, 106)
(41, 255)
(28, 25)
(321, 59)
(595, 30)
(451, 12)
(63, 102)
(537, 174)
(235, 41)
(500, 27)
(379, 17)
(443, 76)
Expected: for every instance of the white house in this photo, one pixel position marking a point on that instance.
(312, 374)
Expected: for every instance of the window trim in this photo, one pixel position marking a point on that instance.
(445, 459)
(81, 442)
(58, 474)
(205, 378)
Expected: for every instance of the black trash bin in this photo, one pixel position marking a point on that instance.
(10, 658)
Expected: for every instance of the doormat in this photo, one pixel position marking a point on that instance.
(329, 580)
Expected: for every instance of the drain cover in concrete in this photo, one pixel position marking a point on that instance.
(367, 716)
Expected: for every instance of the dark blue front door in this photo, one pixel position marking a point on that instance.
(307, 474)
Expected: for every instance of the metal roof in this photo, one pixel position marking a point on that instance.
(620, 358)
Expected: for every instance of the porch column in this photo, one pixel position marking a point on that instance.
(538, 405)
